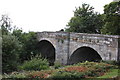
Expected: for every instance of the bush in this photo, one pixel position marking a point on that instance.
(96, 65)
(64, 74)
(113, 62)
(11, 48)
(38, 74)
(15, 75)
(57, 65)
(36, 63)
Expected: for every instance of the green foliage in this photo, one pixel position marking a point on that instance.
(17, 45)
(11, 46)
(10, 53)
(112, 73)
(14, 75)
(5, 24)
(93, 69)
(80, 70)
(29, 42)
(57, 65)
(101, 65)
(85, 20)
(112, 19)
(113, 62)
(64, 74)
(36, 63)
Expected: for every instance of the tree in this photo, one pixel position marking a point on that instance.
(85, 20)
(5, 24)
(112, 19)
(29, 42)
(10, 53)
(17, 46)
(11, 47)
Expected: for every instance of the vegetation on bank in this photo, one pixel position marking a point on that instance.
(112, 73)
(36, 63)
(79, 70)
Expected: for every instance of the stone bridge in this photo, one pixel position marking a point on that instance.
(69, 48)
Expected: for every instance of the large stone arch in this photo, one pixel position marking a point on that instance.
(84, 53)
(47, 50)
(100, 49)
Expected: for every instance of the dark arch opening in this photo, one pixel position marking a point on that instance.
(47, 50)
(84, 54)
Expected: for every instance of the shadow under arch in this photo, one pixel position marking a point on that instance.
(47, 50)
(84, 54)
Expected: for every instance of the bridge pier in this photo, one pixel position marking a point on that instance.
(62, 47)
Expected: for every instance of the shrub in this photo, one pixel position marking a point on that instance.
(64, 74)
(38, 74)
(76, 68)
(94, 68)
(15, 75)
(96, 65)
(57, 65)
(113, 62)
(36, 63)
(11, 48)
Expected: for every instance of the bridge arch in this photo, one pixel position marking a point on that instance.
(47, 50)
(84, 53)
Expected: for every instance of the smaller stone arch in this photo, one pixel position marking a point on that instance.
(84, 53)
(47, 50)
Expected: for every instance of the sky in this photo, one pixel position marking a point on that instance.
(44, 15)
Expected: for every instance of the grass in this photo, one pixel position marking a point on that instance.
(110, 74)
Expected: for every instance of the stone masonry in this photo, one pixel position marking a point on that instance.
(65, 44)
